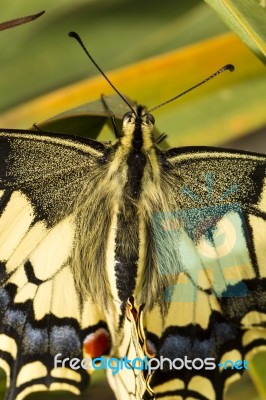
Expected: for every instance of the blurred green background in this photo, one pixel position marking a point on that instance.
(157, 50)
(126, 35)
(39, 57)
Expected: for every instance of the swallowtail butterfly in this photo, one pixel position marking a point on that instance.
(122, 249)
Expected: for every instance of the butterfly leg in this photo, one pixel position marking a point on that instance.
(112, 116)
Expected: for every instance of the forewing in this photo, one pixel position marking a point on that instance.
(49, 169)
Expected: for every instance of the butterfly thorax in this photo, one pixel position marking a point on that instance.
(114, 218)
(135, 151)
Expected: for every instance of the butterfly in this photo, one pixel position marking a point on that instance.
(124, 251)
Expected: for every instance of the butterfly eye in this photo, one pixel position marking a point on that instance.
(127, 116)
(151, 119)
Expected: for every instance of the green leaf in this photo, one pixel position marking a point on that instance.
(88, 119)
(92, 120)
(247, 18)
(258, 373)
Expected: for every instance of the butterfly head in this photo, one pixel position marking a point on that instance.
(138, 123)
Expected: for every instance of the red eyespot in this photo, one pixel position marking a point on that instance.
(97, 343)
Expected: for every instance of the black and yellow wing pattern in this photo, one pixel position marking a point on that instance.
(41, 311)
(216, 308)
(161, 253)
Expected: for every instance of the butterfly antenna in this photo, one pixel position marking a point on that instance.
(78, 39)
(229, 67)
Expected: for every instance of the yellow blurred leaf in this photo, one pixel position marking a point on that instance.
(224, 108)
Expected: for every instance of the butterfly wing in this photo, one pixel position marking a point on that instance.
(41, 311)
(211, 243)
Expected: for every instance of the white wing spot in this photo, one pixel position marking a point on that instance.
(14, 224)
